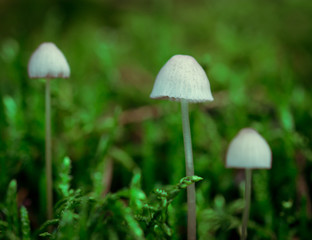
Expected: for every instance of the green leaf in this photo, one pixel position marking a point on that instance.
(136, 179)
(133, 225)
(166, 229)
(186, 181)
(25, 224)
(137, 196)
(46, 224)
(45, 234)
(3, 228)
(68, 225)
(236, 207)
(286, 118)
(123, 157)
(124, 215)
(63, 183)
(160, 193)
(219, 202)
(11, 205)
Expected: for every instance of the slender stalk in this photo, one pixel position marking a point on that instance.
(247, 203)
(191, 197)
(48, 150)
(107, 176)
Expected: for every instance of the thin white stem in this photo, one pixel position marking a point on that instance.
(191, 197)
(247, 203)
(48, 154)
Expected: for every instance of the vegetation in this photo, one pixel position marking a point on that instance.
(118, 158)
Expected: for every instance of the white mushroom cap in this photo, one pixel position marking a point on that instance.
(182, 78)
(249, 150)
(48, 62)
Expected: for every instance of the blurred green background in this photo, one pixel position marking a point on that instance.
(258, 58)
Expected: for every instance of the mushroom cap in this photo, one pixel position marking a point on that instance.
(249, 150)
(182, 78)
(48, 61)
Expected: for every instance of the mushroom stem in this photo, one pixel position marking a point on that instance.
(48, 150)
(191, 197)
(247, 202)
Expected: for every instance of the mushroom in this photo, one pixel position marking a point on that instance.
(183, 79)
(48, 62)
(248, 150)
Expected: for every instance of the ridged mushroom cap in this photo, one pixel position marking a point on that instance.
(48, 61)
(249, 150)
(182, 78)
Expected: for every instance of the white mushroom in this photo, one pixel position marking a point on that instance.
(248, 150)
(48, 61)
(183, 79)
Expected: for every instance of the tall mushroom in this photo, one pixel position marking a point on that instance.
(183, 79)
(48, 62)
(248, 150)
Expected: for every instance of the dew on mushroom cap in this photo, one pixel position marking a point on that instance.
(48, 61)
(249, 150)
(182, 78)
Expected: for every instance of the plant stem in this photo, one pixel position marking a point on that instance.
(191, 197)
(48, 150)
(247, 202)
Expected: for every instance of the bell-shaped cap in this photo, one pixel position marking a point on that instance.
(182, 78)
(48, 62)
(249, 150)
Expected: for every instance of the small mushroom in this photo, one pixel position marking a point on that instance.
(183, 79)
(48, 62)
(248, 150)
